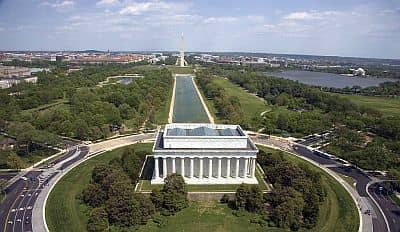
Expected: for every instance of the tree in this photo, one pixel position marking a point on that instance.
(94, 195)
(282, 121)
(98, 221)
(143, 209)
(241, 195)
(174, 194)
(156, 197)
(254, 200)
(131, 163)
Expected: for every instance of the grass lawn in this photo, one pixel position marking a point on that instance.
(179, 70)
(64, 212)
(63, 209)
(251, 105)
(338, 212)
(206, 216)
(386, 105)
(348, 179)
(395, 199)
(161, 115)
(47, 106)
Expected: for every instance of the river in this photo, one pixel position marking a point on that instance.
(329, 79)
(187, 106)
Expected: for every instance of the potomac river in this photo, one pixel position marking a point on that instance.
(329, 79)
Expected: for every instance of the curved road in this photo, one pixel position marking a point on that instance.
(16, 208)
(368, 197)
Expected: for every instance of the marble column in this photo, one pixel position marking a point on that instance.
(201, 168)
(209, 167)
(237, 167)
(246, 164)
(156, 171)
(191, 167)
(219, 167)
(173, 165)
(253, 167)
(183, 167)
(228, 167)
(164, 167)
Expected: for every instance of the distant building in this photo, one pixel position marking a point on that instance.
(7, 143)
(359, 72)
(12, 72)
(204, 154)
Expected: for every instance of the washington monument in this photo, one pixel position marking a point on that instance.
(181, 59)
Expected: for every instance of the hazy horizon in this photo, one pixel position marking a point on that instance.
(356, 28)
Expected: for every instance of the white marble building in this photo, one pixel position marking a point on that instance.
(204, 154)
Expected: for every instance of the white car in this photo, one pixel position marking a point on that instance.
(23, 178)
(29, 207)
(10, 222)
(19, 220)
(13, 210)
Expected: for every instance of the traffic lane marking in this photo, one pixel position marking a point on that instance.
(12, 206)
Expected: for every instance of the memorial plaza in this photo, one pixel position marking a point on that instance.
(204, 154)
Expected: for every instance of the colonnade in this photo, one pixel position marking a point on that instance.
(247, 171)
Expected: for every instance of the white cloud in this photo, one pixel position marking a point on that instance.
(60, 5)
(138, 8)
(64, 4)
(309, 15)
(107, 2)
(220, 19)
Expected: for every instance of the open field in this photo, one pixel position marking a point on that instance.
(161, 115)
(386, 105)
(338, 212)
(47, 106)
(63, 210)
(206, 216)
(251, 105)
(179, 70)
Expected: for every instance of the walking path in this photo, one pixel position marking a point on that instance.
(171, 107)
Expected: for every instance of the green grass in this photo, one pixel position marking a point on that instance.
(348, 179)
(47, 106)
(206, 216)
(386, 105)
(162, 114)
(338, 212)
(179, 70)
(251, 105)
(395, 199)
(63, 209)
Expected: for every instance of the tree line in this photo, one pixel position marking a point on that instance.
(310, 110)
(114, 203)
(228, 107)
(294, 202)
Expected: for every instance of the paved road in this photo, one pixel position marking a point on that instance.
(38, 224)
(360, 177)
(391, 210)
(16, 209)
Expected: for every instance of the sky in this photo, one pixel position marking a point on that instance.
(369, 28)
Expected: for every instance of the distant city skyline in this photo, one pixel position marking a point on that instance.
(352, 28)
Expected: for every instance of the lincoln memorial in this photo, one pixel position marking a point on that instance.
(204, 154)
